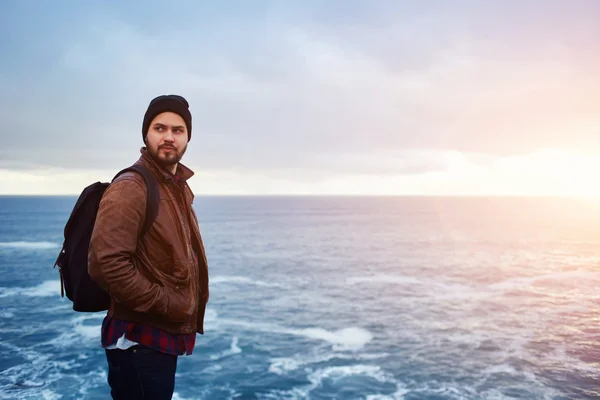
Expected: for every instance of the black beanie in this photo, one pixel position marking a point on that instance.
(173, 103)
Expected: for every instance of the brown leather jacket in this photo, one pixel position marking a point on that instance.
(162, 278)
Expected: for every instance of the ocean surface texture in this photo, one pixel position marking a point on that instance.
(338, 298)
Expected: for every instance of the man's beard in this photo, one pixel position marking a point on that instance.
(167, 159)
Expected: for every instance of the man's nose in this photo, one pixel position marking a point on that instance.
(169, 135)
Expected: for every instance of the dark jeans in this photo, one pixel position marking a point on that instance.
(141, 373)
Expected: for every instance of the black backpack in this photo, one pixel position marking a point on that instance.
(72, 261)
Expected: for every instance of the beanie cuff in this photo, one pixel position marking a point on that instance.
(168, 103)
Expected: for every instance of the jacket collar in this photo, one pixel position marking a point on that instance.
(182, 174)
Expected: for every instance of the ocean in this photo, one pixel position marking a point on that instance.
(338, 298)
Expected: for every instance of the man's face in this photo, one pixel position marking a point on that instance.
(167, 139)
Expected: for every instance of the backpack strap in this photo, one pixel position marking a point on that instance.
(152, 196)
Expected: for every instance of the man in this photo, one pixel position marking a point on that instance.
(158, 282)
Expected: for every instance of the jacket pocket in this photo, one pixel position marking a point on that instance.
(181, 306)
(173, 274)
(177, 283)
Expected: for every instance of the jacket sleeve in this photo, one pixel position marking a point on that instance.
(119, 220)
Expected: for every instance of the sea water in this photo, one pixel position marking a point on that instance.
(338, 298)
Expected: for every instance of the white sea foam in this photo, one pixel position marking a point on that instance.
(566, 277)
(343, 339)
(283, 365)
(210, 315)
(212, 369)
(88, 331)
(372, 356)
(78, 332)
(34, 373)
(204, 392)
(177, 396)
(29, 245)
(440, 288)
(335, 373)
(44, 289)
(500, 369)
(397, 395)
(350, 338)
(35, 377)
(233, 349)
(242, 280)
(371, 371)
(470, 391)
(383, 278)
(50, 395)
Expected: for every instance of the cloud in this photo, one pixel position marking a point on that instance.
(356, 87)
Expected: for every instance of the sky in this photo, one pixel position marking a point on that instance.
(337, 97)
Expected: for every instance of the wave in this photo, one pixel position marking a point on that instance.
(29, 245)
(381, 278)
(233, 349)
(318, 376)
(44, 289)
(32, 375)
(241, 280)
(336, 372)
(80, 330)
(283, 365)
(87, 332)
(210, 315)
(440, 288)
(350, 338)
(564, 278)
(397, 395)
(342, 339)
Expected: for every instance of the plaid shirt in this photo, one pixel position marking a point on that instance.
(113, 329)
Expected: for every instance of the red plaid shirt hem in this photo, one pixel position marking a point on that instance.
(149, 336)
